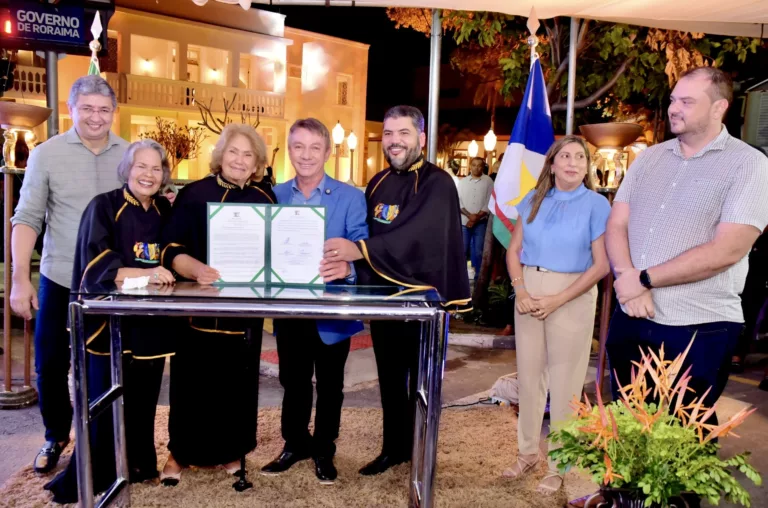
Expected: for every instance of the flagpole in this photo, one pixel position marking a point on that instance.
(434, 85)
(52, 91)
(571, 99)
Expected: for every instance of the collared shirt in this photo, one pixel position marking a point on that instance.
(298, 198)
(474, 195)
(677, 203)
(560, 237)
(62, 177)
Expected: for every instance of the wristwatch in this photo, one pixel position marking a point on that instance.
(645, 280)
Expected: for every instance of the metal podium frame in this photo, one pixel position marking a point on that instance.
(432, 354)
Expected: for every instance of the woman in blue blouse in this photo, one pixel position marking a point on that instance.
(555, 258)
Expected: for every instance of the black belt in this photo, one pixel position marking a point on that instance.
(539, 268)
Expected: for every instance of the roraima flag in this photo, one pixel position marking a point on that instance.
(523, 161)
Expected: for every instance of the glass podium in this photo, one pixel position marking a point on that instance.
(255, 301)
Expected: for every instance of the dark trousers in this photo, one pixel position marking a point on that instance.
(710, 354)
(396, 346)
(52, 359)
(301, 353)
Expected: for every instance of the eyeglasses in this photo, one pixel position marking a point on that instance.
(88, 111)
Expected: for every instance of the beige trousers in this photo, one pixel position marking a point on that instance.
(553, 353)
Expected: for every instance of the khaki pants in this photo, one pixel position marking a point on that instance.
(552, 353)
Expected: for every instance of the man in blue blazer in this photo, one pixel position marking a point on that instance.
(307, 346)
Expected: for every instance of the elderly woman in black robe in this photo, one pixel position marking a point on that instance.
(119, 238)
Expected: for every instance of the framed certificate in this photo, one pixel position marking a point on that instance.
(266, 244)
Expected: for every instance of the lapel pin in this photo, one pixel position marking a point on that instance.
(327, 191)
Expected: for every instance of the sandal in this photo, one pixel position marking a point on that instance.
(522, 467)
(48, 456)
(167, 478)
(550, 488)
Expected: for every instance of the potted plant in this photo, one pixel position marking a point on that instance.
(654, 454)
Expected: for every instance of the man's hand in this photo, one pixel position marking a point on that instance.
(473, 217)
(628, 285)
(206, 275)
(642, 306)
(23, 298)
(470, 224)
(341, 249)
(334, 270)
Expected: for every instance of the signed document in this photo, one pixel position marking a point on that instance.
(297, 235)
(237, 240)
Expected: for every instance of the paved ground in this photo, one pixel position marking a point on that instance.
(470, 372)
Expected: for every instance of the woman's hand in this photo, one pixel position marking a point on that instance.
(543, 306)
(206, 275)
(523, 301)
(160, 275)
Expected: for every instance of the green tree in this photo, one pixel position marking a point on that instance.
(622, 68)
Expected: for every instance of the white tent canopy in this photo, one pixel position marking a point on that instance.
(720, 17)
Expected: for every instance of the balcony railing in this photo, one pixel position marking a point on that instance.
(28, 83)
(166, 93)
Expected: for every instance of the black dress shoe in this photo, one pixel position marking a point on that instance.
(325, 470)
(382, 463)
(283, 462)
(48, 456)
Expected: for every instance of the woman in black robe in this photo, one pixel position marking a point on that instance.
(215, 373)
(119, 238)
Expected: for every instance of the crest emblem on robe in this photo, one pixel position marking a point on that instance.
(147, 252)
(385, 213)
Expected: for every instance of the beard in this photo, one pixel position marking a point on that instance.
(405, 160)
(688, 127)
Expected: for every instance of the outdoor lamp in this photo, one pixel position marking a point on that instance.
(338, 138)
(489, 143)
(352, 144)
(609, 164)
(472, 149)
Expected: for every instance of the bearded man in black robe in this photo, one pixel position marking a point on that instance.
(414, 222)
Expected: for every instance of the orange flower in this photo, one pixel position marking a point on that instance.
(609, 474)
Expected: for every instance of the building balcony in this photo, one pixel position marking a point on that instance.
(143, 91)
(151, 92)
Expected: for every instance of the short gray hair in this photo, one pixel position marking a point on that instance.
(407, 111)
(312, 125)
(124, 168)
(91, 85)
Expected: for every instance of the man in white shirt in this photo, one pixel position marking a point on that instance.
(474, 194)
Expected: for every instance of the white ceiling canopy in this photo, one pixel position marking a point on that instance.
(721, 17)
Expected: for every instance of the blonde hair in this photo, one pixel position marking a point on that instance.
(257, 145)
(547, 177)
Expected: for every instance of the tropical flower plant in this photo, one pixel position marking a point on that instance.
(658, 450)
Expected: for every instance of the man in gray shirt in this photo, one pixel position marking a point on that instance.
(678, 237)
(63, 175)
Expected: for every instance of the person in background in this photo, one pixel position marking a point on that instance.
(63, 175)
(474, 195)
(119, 237)
(453, 167)
(208, 425)
(496, 167)
(555, 258)
(681, 227)
(304, 346)
(170, 191)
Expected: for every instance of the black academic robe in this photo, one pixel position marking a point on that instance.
(117, 232)
(414, 223)
(215, 372)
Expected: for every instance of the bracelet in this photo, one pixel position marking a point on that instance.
(516, 279)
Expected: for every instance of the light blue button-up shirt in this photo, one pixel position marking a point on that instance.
(560, 237)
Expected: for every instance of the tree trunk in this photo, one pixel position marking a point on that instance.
(480, 297)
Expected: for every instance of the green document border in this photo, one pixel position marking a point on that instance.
(271, 278)
(262, 210)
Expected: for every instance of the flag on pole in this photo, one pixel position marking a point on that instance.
(95, 45)
(523, 160)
